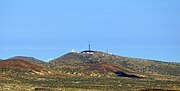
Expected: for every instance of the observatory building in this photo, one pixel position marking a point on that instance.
(89, 51)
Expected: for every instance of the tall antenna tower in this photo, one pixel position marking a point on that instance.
(107, 50)
(89, 46)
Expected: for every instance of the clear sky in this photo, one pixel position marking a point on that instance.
(47, 29)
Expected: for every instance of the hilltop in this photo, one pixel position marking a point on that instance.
(29, 59)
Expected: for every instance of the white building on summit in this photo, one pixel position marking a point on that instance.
(88, 51)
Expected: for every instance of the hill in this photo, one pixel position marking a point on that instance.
(29, 59)
(19, 63)
(88, 72)
(135, 64)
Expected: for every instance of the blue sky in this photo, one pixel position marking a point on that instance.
(47, 29)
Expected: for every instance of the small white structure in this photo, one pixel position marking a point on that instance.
(72, 50)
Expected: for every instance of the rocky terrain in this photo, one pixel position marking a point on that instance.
(97, 71)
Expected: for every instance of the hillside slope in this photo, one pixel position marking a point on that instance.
(18, 63)
(135, 64)
(106, 68)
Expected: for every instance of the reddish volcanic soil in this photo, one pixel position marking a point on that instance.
(20, 63)
(107, 67)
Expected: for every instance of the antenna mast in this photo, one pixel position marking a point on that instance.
(107, 50)
(89, 46)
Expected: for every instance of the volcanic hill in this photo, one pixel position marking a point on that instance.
(135, 64)
(30, 59)
(19, 63)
